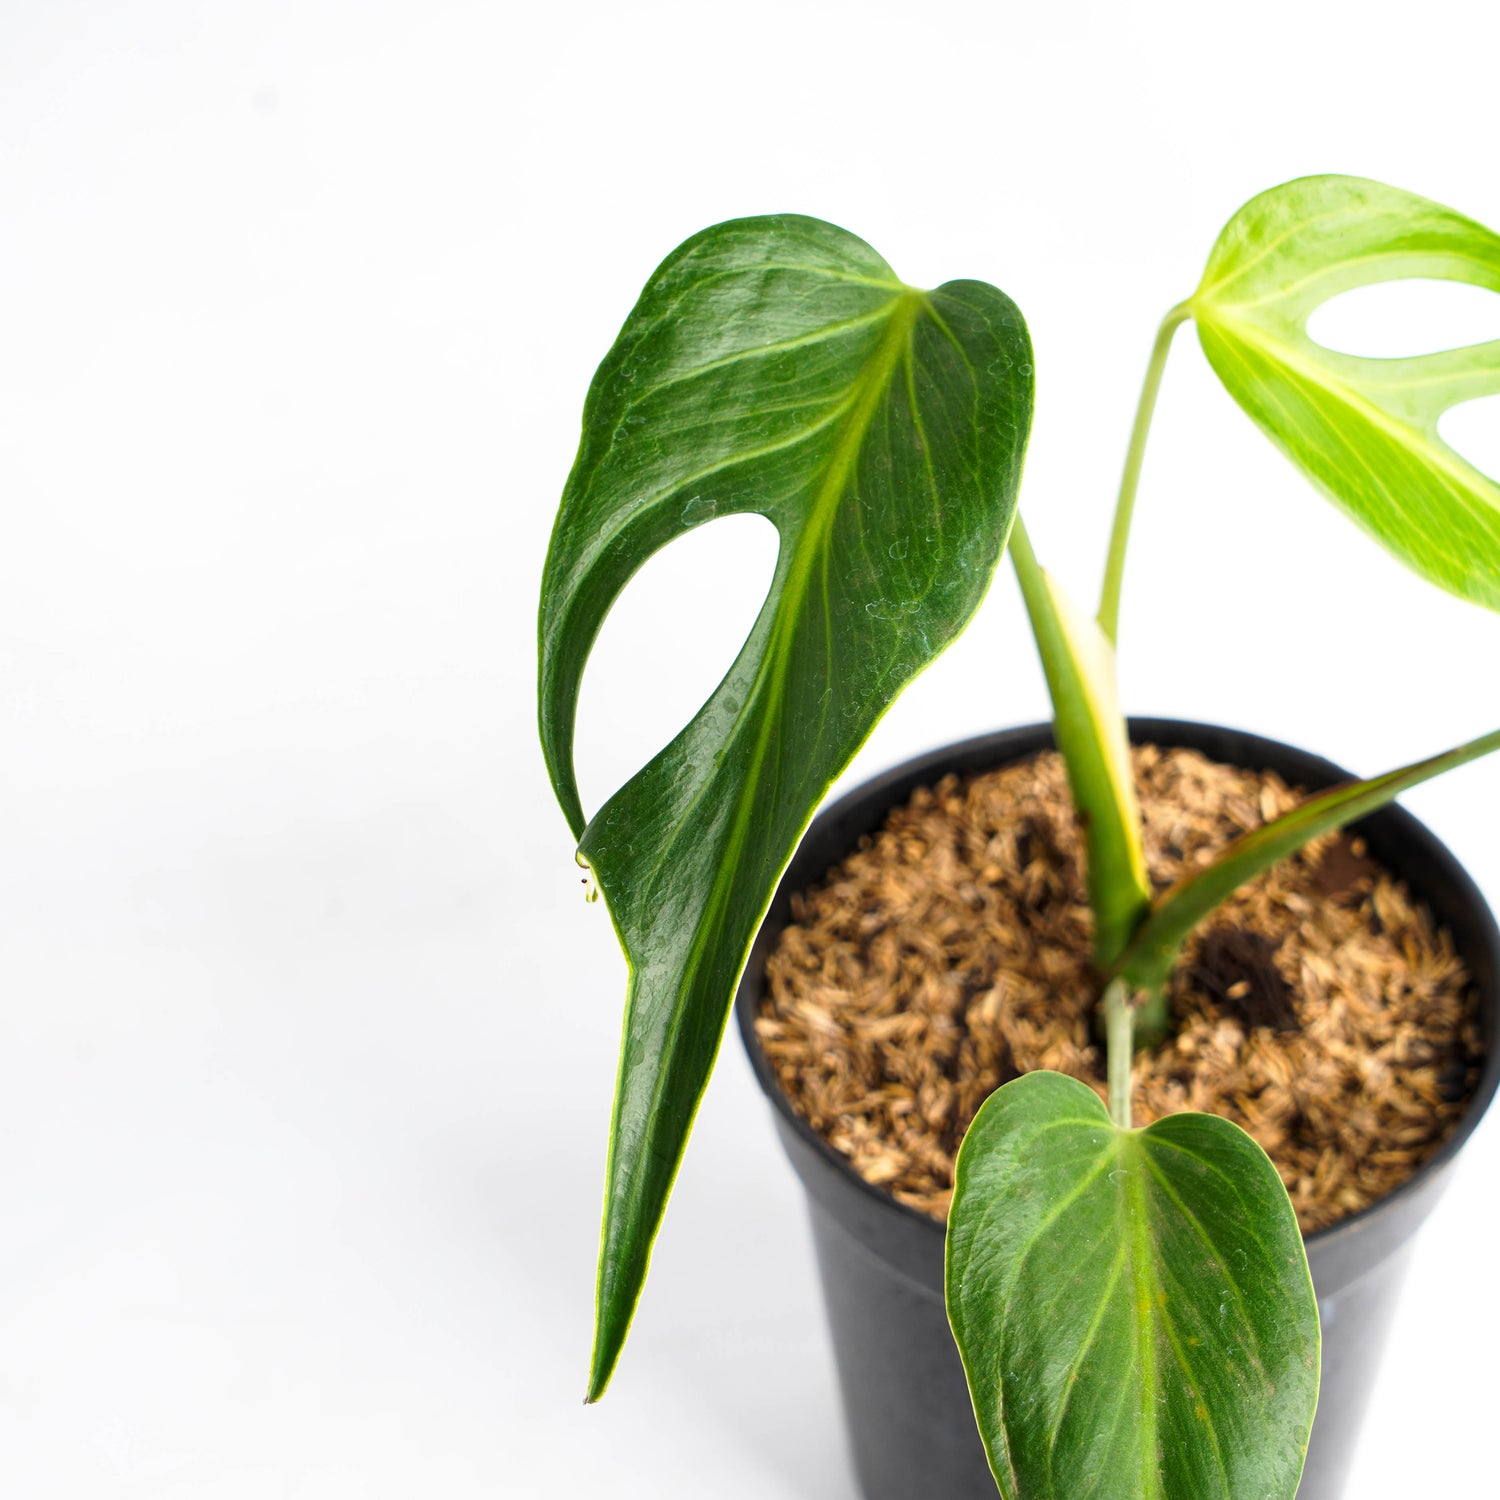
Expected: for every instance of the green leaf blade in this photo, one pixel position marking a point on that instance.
(1133, 1308)
(1148, 960)
(1078, 659)
(774, 366)
(1365, 431)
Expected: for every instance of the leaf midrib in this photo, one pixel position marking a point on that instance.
(1458, 483)
(1134, 1193)
(1321, 377)
(868, 389)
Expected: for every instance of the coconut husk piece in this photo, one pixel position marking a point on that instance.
(1320, 1008)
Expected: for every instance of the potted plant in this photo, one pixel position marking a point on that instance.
(1133, 1306)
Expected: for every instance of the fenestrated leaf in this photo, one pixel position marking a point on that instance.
(1364, 430)
(1079, 661)
(1133, 1307)
(773, 365)
(1148, 960)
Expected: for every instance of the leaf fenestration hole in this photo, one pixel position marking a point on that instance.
(1397, 319)
(1472, 430)
(666, 645)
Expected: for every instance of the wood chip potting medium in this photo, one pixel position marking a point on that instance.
(1320, 1008)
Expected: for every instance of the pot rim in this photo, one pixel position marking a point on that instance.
(929, 766)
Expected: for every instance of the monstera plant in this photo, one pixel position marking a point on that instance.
(1133, 1306)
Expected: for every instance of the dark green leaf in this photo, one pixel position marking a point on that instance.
(773, 365)
(1148, 960)
(1364, 430)
(1079, 661)
(1133, 1307)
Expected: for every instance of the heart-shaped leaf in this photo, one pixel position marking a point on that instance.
(1364, 430)
(1133, 1307)
(773, 365)
(1079, 660)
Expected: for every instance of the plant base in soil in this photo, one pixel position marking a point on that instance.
(1320, 1008)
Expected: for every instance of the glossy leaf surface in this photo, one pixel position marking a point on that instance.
(772, 365)
(1079, 663)
(1148, 960)
(1364, 430)
(1133, 1307)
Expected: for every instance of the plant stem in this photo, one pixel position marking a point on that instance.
(1119, 537)
(1119, 1021)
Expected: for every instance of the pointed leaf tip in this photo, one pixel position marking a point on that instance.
(773, 365)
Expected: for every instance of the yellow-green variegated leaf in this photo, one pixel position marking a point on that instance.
(1079, 663)
(1364, 430)
(778, 366)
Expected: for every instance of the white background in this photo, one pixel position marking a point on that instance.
(306, 1036)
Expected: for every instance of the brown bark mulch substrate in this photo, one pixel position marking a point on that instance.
(1320, 1008)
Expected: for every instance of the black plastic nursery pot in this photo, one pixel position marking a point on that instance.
(910, 1421)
